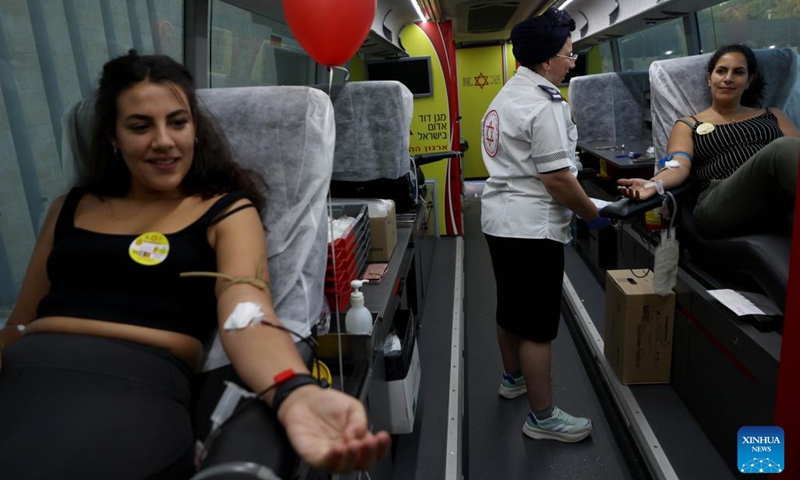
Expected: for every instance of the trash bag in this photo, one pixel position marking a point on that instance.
(665, 264)
(665, 268)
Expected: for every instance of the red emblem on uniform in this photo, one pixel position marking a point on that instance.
(491, 133)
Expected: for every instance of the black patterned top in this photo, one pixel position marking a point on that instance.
(719, 153)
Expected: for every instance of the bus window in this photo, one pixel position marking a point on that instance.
(756, 23)
(637, 51)
(52, 56)
(249, 49)
(606, 57)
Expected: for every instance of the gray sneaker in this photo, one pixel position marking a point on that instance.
(512, 387)
(561, 426)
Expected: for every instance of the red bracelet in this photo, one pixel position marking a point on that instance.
(288, 381)
(284, 376)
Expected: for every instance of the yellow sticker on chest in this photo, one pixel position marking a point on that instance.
(705, 128)
(149, 248)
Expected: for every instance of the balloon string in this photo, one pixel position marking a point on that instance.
(330, 76)
(346, 73)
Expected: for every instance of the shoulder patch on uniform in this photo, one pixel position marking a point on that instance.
(555, 94)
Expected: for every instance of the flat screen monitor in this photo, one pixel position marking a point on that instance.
(413, 72)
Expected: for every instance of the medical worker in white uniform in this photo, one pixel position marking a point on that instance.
(528, 146)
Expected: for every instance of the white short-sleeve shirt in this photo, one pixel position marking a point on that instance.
(526, 131)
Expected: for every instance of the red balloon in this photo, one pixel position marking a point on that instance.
(330, 31)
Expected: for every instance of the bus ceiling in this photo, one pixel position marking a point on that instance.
(473, 20)
(490, 21)
(599, 21)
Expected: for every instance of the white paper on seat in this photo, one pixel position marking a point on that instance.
(599, 203)
(736, 302)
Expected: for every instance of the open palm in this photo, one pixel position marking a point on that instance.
(636, 188)
(328, 429)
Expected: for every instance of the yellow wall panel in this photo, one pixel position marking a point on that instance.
(480, 75)
(430, 127)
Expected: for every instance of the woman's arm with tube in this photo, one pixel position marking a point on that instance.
(680, 140)
(327, 428)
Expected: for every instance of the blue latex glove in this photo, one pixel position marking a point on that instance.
(599, 223)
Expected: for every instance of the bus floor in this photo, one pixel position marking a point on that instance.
(493, 445)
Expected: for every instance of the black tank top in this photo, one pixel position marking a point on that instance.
(93, 275)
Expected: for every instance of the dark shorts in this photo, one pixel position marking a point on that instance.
(529, 274)
(75, 406)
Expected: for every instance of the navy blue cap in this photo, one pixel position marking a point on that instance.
(539, 38)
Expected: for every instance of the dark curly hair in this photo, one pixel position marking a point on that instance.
(213, 171)
(753, 94)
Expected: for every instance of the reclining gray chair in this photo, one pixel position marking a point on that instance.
(608, 109)
(678, 88)
(287, 135)
(619, 96)
(371, 159)
(373, 129)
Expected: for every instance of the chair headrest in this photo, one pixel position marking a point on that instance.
(287, 134)
(373, 124)
(608, 107)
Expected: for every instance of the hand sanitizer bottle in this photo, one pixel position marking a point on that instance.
(358, 319)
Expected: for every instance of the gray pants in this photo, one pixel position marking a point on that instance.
(758, 194)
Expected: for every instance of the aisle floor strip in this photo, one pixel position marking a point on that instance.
(636, 422)
(455, 408)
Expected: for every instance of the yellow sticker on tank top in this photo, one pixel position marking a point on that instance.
(149, 248)
(705, 128)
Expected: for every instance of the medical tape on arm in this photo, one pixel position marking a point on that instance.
(656, 183)
(244, 315)
(668, 162)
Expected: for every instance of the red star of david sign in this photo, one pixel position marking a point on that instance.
(481, 80)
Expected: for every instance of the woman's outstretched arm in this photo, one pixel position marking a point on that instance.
(326, 427)
(680, 140)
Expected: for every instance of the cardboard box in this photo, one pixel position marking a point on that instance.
(403, 396)
(383, 225)
(638, 328)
